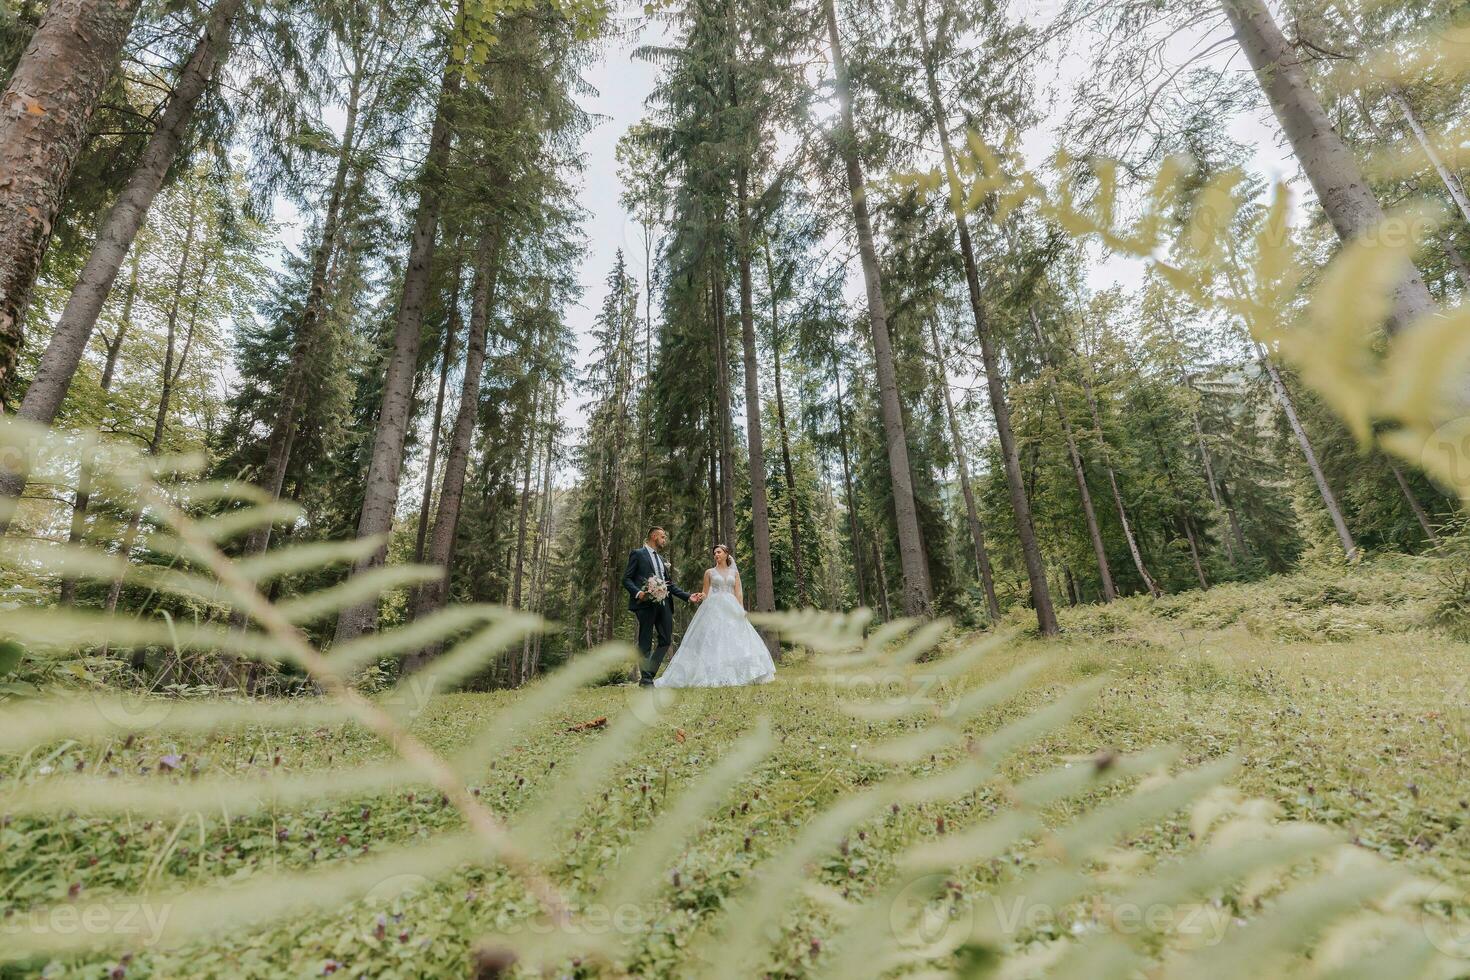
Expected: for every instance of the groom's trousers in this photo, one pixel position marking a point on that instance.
(653, 620)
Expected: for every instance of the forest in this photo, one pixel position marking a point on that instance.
(1095, 366)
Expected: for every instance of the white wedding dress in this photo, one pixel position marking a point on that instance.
(720, 648)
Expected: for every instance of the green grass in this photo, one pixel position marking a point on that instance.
(1343, 703)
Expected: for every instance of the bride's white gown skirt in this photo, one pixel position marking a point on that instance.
(720, 649)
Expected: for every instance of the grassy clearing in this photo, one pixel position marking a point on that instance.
(1344, 704)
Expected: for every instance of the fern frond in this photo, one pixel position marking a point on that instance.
(31, 725)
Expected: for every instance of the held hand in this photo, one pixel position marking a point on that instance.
(697, 598)
(641, 595)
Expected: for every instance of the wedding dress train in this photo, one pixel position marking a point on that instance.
(720, 647)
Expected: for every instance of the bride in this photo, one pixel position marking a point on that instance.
(720, 648)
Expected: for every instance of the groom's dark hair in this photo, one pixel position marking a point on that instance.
(650, 532)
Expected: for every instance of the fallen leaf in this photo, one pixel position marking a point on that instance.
(588, 725)
(679, 734)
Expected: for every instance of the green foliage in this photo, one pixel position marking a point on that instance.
(935, 739)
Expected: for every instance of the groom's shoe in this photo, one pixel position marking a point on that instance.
(645, 679)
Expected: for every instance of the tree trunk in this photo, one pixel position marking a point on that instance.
(1414, 505)
(1329, 499)
(1208, 465)
(517, 569)
(1447, 236)
(798, 560)
(1123, 521)
(82, 501)
(714, 488)
(431, 595)
(44, 113)
(722, 396)
(1330, 166)
(999, 404)
(171, 323)
(386, 467)
(124, 323)
(972, 513)
(645, 423)
(879, 564)
(432, 461)
(168, 375)
(917, 594)
(854, 526)
(124, 220)
(607, 531)
(1199, 570)
(760, 509)
(173, 369)
(1079, 473)
(1448, 177)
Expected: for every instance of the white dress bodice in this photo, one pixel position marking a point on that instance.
(721, 583)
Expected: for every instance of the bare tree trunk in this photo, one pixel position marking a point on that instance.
(972, 513)
(760, 508)
(431, 595)
(714, 488)
(124, 220)
(1330, 166)
(995, 384)
(722, 396)
(44, 112)
(1414, 505)
(1079, 473)
(607, 531)
(519, 564)
(386, 467)
(917, 593)
(1447, 237)
(882, 581)
(1127, 525)
(798, 560)
(168, 375)
(1216, 496)
(645, 422)
(1199, 570)
(1329, 499)
(539, 552)
(854, 526)
(125, 321)
(82, 501)
(1448, 177)
(432, 463)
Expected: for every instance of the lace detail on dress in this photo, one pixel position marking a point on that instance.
(720, 648)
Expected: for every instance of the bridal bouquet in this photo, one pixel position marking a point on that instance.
(656, 589)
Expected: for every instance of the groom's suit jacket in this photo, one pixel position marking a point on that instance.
(640, 570)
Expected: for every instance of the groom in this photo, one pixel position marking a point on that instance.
(653, 616)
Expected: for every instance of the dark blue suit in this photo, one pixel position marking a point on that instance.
(653, 617)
